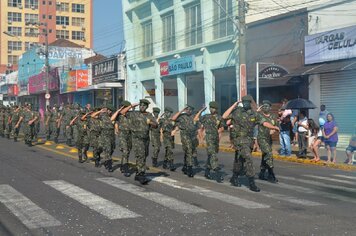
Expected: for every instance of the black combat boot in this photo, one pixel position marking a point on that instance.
(85, 156)
(15, 139)
(109, 166)
(219, 176)
(184, 169)
(190, 172)
(235, 180)
(172, 167)
(207, 174)
(253, 186)
(154, 162)
(262, 175)
(196, 162)
(141, 177)
(165, 164)
(80, 159)
(55, 140)
(97, 162)
(8, 136)
(271, 177)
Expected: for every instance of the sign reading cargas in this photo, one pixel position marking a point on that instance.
(273, 71)
(177, 66)
(331, 45)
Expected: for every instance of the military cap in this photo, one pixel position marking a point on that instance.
(145, 101)
(126, 103)
(213, 104)
(267, 102)
(168, 109)
(189, 106)
(156, 109)
(110, 107)
(247, 98)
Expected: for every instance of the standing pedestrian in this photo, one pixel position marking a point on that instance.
(302, 134)
(330, 137)
(244, 120)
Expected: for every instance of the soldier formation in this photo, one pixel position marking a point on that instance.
(136, 129)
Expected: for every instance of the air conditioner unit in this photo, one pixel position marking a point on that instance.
(20, 6)
(9, 22)
(9, 65)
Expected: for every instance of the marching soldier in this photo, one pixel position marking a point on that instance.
(244, 120)
(155, 138)
(167, 126)
(8, 114)
(212, 123)
(94, 133)
(185, 122)
(36, 126)
(268, 125)
(2, 120)
(47, 118)
(55, 123)
(28, 118)
(15, 118)
(82, 141)
(141, 122)
(66, 117)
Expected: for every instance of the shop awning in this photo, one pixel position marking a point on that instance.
(101, 86)
(265, 83)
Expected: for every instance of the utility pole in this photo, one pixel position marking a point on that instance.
(241, 58)
(47, 96)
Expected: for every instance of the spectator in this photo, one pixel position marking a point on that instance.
(323, 112)
(330, 136)
(316, 135)
(294, 120)
(302, 134)
(285, 126)
(351, 149)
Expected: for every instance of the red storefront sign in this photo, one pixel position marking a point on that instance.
(12, 90)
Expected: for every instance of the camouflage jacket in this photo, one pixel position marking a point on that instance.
(243, 122)
(211, 123)
(123, 122)
(264, 132)
(186, 124)
(138, 121)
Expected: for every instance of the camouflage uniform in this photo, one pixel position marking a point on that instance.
(47, 116)
(244, 121)
(54, 124)
(125, 140)
(27, 129)
(67, 116)
(8, 126)
(15, 118)
(155, 138)
(36, 125)
(2, 121)
(82, 141)
(106, 137)
(167, 126)
(264, 139)
(94, 133)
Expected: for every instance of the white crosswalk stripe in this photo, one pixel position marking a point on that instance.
(93, 201)
(330, 179)
(319, 184)
(158, 198)
(31, 215)
(346, 177)
(210, 193)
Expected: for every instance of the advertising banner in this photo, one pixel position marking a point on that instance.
(12, 90)
(105, 71)
(68, 82)
(177, 66)
(82, 79)
(331, 45)
(37, 83)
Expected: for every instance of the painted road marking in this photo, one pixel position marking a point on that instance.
(330, 179)
(346, 177)
(210, 194)
(158, 198)
(93, 201)
(31, 215)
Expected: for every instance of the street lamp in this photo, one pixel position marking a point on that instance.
(45, 33)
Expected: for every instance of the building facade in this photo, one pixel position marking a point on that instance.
(25, 23)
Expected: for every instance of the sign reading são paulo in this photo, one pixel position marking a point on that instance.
(331, 45)
(177, 66)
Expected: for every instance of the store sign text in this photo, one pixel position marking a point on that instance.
(178, 66)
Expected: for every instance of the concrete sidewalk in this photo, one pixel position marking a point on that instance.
(340, 155)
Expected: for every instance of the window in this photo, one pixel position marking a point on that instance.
(193, 27)
(33, 4)
(43, 16)
(14, 3)
(27, 45)
(62, 6)
(78, 8)
(168, 39)
(14, 46)
(11, 59)
(147, 39)
(50, 17)
(77, 35)
(17, 31)
(77, 21)
(31, 32)
(62, 34)
(50, 3)
(62, 20)
(13, 16)
(32, 18)
(43, 2)
(223, 25)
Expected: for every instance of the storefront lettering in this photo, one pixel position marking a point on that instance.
(104, 68)
(336, 41)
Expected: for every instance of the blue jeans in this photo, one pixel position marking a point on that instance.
(284, 141)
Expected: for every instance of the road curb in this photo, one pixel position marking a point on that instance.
(294, 159)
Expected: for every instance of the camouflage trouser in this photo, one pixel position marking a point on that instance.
(36, 130)
(94, 142)
(168, 142)
(125, 142)
(266, 149)
(140, 142)
(243, 160)
(107, 143)
(212, 142)
(82, 144)
(48, 131)
(28, 131)
(53, 130)
(8, 129)
(2, 128)
(188, 147)
(195, 145)
(156, 144)
(68, 132)
(15, 131)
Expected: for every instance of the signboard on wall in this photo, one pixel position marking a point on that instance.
(331, 45)
(178, 66)
(272, 72)
(37, 83)
(73, 80)
(105, 71)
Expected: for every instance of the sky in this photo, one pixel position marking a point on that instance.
(108, 27)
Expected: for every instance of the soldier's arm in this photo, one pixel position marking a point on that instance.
(72, 121)
(114, 116)
(126, 109)
(95, 114)
(152, 122)
(19, 122)
(228, 111)
(197, 116)
(175, 117)
(85, 116)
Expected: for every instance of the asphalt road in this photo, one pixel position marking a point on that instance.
(45, 191)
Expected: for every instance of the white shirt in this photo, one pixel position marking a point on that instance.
(305, 123)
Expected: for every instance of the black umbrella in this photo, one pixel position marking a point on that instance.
(300, 103)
